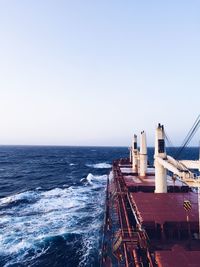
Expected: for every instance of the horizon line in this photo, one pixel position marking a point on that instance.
(48, 145)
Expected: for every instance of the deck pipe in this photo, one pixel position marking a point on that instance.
(143, 154)
(134, 154)
(160, 151)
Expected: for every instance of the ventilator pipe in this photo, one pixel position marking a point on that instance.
(134, 154)
(143, 154)
(160, 171)
(160, 142)
(130, 154)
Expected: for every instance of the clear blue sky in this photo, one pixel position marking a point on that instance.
(95, 72)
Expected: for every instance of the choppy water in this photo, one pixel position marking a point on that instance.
(52, 204)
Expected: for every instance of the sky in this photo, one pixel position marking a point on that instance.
(94, 72)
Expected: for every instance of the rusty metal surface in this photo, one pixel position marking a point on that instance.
(178, 257)
(161, 208)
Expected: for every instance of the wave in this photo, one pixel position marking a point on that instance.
(103, 165)
(28, 195)
(28, 228)
(91, 178)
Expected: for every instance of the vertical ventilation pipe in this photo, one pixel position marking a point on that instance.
(160, 171)
(134, 154)
(130, 155)
(143, 154)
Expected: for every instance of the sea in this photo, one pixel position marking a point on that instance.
(52, 203)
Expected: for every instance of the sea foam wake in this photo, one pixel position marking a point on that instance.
(99, 165)
(63, 223)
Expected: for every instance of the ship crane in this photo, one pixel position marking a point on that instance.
(163, 162)
(180, 170)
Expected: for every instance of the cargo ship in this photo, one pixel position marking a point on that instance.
(152, 212)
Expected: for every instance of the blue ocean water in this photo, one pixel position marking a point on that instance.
(52, 203)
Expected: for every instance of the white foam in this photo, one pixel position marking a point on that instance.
(103, 165)
(28, 195)
(53, 212)
(90, 178)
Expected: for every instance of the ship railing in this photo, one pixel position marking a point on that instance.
(122, 236)
(106, 219)
(127, 235)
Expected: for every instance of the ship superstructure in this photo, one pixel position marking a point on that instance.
(152, 212)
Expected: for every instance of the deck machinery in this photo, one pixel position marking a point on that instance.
(152, 213)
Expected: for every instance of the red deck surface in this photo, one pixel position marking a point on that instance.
(148, 180)
(178, 257)
(161, 235)
(138, 181)
(161, 208)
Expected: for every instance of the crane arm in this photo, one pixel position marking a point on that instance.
(184, 174)
(173, 168)
(191, 164)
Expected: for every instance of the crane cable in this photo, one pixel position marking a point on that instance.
(189, 136)
(196, 121)
(168, 139)
(187, 141)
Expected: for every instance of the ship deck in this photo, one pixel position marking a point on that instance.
(163, 208)
(147, 183)
(143, 228)
(177, 256)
